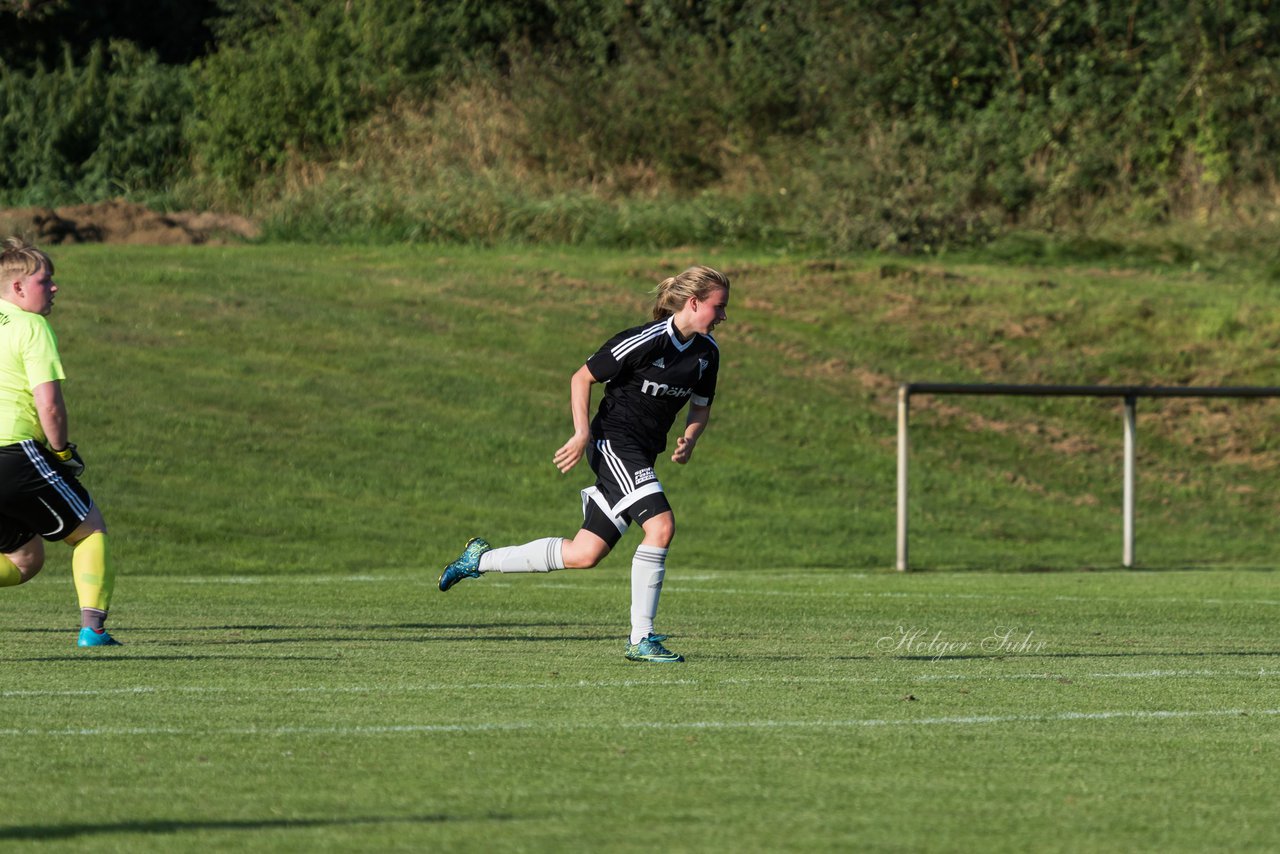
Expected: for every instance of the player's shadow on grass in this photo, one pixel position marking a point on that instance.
(336, 635)
(101, 656)
(363, 634)
(364, 627)
(73, 831)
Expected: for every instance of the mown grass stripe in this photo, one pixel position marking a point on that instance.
(638, 683)
(691, 585)
(632, 725)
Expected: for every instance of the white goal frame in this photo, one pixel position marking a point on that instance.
(1130, 394)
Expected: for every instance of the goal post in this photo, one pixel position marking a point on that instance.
(1129, 394)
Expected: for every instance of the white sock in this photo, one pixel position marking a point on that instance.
(538, 556)
(647, 570)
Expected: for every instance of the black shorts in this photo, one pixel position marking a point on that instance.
(38, 496)
(627, 490)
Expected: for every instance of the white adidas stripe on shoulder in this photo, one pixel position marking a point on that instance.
(655, 330)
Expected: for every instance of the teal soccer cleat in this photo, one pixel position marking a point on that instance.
(651, 649)
(466, 566)
(88, 637)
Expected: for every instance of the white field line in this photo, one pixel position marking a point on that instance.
(1012, 677)
(584, 684)
(633, 725)
(676, 584)
(934, 595)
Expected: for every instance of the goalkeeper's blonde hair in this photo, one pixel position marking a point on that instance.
(20, 258)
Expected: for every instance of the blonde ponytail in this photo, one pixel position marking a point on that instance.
(673, 292)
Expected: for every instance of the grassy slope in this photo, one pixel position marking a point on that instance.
(288, 442)
(345, 408)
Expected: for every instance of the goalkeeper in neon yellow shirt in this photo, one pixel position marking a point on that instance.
(41, 497)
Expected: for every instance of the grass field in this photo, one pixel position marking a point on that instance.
(289, 442)
(818, 710)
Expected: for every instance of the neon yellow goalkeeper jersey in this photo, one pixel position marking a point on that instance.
(28, 358)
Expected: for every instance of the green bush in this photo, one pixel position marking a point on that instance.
(291, 86)
(111, 126)
(820, 123)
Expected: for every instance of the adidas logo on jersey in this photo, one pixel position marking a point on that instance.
(660, 363)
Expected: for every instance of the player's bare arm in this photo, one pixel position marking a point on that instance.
(580, 406)
(52, 411)
(699, 416)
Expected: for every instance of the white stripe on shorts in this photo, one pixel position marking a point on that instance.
(593, 495)
(616, 466)
(632, 497)
(626, 483)
(54, 479)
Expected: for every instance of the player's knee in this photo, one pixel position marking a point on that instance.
(671, 529)
(29, 559)
(582, 558)
(28, 563)
(660, 531)
(93, 524)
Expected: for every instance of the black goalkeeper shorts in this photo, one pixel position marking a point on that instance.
(38, 496)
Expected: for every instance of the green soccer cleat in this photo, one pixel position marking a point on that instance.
(88, 637)
(651, 649)
(466, 566)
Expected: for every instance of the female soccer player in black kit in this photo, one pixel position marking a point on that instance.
(650, 372)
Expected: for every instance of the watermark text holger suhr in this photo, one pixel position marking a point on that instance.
(921, 642)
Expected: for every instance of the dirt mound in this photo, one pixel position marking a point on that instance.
(118, 221)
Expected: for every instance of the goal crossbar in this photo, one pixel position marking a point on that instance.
(1129, 393)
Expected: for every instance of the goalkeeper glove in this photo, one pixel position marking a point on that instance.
(70, 459)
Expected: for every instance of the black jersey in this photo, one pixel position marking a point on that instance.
(649, 375)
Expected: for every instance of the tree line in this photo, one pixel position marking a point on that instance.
(835, 123)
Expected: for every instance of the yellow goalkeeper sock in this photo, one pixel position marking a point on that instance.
(9, 575)
(94, 577)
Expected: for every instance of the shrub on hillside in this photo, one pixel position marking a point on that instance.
(77, 132)
(290, 83)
